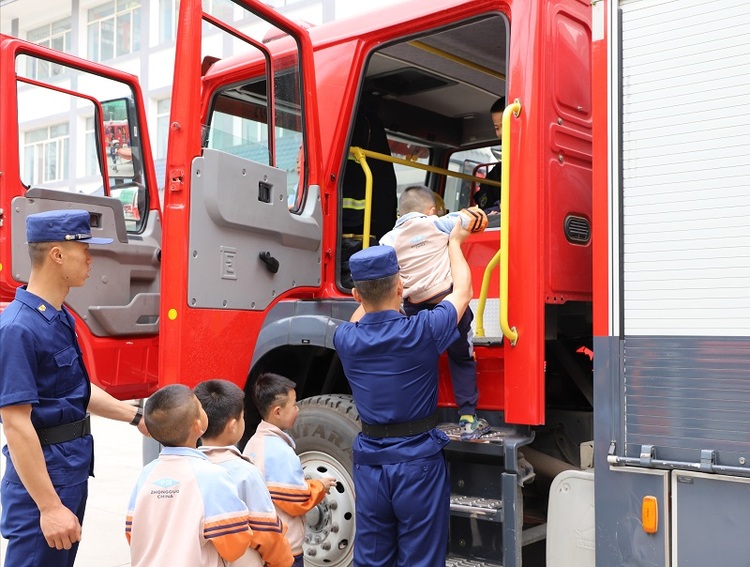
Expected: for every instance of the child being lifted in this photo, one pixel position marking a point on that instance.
(420, 239)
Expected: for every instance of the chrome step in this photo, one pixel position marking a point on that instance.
(488, 509)
(453, 431)
(456, 561)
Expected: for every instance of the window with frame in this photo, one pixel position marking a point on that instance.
(45, 154)
(114, 29)
(56, 35)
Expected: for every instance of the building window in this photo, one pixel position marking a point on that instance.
(114, 29)
(168, 13)
(55, 35)
(162, 127)
(45, 154)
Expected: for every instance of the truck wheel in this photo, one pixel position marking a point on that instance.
(324, 432)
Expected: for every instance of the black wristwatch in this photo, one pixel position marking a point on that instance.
(138, 416)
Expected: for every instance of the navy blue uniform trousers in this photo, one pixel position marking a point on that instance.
(26, 544)
(397, 502)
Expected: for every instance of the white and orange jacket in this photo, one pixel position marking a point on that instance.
(272, 451)
(268, 545)
(185, 511)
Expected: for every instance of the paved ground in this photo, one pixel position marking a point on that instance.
(117, 462)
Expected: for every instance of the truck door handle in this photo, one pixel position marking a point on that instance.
(271, 263)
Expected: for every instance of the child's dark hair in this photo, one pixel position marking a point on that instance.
(222, 400)
(170, 413)
(416, 198)
(271, 390)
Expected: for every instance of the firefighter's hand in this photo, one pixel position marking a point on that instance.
(60, 527)
(459, 233)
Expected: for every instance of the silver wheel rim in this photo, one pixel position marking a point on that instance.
(329, 527)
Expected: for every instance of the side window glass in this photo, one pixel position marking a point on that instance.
(78, 143)
(261, 123)
(477, 162)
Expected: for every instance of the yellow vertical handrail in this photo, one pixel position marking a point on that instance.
(513, 109)
(360, 158)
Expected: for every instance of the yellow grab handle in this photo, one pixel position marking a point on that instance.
(510, 333)
(360, 158)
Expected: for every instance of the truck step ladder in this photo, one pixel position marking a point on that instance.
(456, 561)
(489, 509)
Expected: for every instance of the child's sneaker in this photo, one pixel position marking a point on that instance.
(473, 428)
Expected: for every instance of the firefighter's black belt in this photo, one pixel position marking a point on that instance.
(62, 433)
(408, 429)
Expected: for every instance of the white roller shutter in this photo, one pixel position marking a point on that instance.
(685, 167)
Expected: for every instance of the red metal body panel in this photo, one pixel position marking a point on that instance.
(601, 173)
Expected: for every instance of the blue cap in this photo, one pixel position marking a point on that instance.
(373, 263)
(61, 226)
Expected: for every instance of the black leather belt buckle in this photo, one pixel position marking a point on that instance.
(65, 432)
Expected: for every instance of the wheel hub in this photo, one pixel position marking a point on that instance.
(329, 532)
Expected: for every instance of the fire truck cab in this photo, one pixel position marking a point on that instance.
(285, 159)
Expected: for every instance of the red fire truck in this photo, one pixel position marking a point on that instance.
(244, 267)
(287, 157)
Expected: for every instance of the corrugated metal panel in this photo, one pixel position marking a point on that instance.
(685, 394)
(686, 167)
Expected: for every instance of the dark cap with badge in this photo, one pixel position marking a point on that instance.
(62, 226)
(373, 263)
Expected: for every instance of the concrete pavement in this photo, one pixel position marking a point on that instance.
(117, 462)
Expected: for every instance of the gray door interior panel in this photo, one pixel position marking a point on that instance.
(238, 216)
(121, 296)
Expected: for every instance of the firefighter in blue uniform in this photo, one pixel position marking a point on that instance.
(391, 362)
(45, 394)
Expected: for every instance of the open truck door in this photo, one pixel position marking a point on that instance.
(91, 152)
(242, 197)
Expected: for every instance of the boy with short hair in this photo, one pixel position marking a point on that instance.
(182, 502)
(224, 403)
(421, 242)
(272, 450)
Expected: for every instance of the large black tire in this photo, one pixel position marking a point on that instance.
(324, 432)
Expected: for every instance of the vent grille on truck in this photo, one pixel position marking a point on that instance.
(577, 229)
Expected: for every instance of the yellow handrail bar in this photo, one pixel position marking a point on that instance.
(455, 58)
(359, 157)
(511, 333)
(425, 167)
(501, 256)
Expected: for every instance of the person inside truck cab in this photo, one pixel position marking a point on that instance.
(487, 196)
